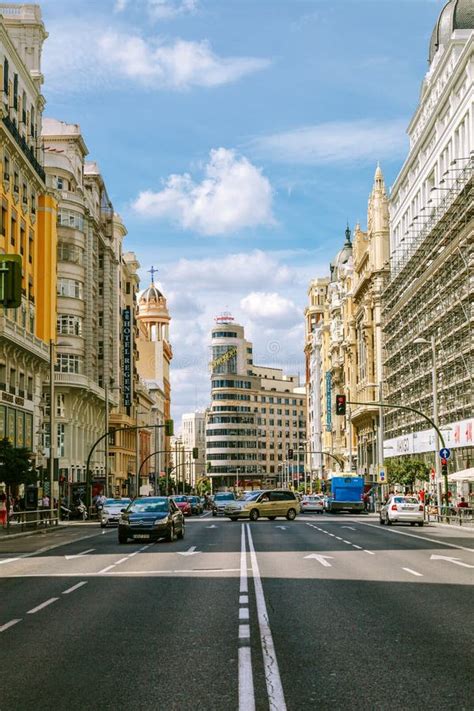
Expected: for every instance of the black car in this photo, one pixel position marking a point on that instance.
(196, 505)
(151, 518)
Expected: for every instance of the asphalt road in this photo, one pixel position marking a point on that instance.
(326, 612)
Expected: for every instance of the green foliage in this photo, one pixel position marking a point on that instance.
(406, 471)
(15, 465)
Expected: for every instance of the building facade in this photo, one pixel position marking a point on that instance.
(257, 415)
(193, 433)
(28, 229)
(428, 315)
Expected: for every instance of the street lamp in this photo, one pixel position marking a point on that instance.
(434, 379)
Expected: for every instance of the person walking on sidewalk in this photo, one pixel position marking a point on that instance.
(3, 509)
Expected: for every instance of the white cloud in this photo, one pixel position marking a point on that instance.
(85, 55)
(232, 196)
(336, 142)
(162, 9)
(167, 9)
(271, 309)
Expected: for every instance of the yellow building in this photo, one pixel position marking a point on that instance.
(27, 228)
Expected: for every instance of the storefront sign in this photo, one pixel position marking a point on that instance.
(456, 434)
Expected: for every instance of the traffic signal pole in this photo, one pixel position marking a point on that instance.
(166, 426)
(434, 424)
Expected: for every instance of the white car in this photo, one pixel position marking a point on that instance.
(402, 509)
(312, 502)
(111, 510)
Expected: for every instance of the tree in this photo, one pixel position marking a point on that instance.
(15, 465)
(406, 472)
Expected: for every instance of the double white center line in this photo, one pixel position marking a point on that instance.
(276, 697)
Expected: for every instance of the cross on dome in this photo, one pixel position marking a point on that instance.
(153, 271)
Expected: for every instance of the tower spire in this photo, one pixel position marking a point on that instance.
(153, 271)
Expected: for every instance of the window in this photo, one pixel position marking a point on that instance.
(22, 237)
(69, 325)
(59, 182)
(224, 334)
(232, 384)
(13, 229)
(5, 75)
(15, 91)
(71, 218)
(70, 288)
(60, 406)
(4, 217)
(70, 253)
(67, 363)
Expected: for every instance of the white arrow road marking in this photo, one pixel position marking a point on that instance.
(79, 555)
(323, 559)
(456, 561)
(350, 528)
(283, 528)
(191, 551)
(211, 526)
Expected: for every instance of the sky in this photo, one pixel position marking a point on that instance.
(236, 139)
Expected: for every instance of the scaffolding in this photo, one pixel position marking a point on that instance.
(431, 292)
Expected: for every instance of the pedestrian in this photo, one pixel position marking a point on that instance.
(3, 509)
(463, 503)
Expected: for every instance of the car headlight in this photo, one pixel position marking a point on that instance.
(161, 521)
(105, 511)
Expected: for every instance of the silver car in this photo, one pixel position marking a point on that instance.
(111, 510)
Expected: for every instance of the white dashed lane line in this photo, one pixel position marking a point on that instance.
(7, 625)
(413, 572)
(36, 609)
(338, 538)
(74, 587)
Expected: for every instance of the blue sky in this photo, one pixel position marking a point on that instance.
(236, 137)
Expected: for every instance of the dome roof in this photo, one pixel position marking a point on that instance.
(152, 295)
(455, 15)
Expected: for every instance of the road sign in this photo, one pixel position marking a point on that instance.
(445, 453)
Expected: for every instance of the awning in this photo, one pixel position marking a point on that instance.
(464, 475)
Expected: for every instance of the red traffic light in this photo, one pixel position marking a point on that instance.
(340, 404)
(444, 461)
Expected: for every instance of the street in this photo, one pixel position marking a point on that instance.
(324, 612)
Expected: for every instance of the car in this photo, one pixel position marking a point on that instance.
(110, 512)
(402, 509)
(183, 504)
(221, 499)
(312, 502)
(196, 505)
(267, 504)
(151, 518)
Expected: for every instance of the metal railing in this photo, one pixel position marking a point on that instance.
(31, 520)
(451, 515)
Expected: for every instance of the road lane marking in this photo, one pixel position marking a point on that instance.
(122, 560)
(276, 697)
(350, 528)
(79, 555)
(323, 559)
(74, 587)
(190, 551)
(369, 552)
(243, 613)
(349, 543)
(440, 542)
(8, 560)
(36, 609)
(244, 631)
(413, 572)
(450, 559)
(7, 625)
(246, 688)
(106, 570)
(359, 548)
(244, 600)
(283, 528)
(244, 587)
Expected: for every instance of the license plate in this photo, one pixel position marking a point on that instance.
(144, 536)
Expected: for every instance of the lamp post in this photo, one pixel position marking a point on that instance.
(434, 380)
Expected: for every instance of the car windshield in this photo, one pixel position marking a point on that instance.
(148, 506)
(117, 502)
(194, 499)
(224, 497)
(405, 500)
(180, 499)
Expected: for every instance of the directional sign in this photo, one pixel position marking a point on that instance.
(323, 559)
(456, 561)
(191, 551)
(445, 453)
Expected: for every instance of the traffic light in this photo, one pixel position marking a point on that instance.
(195, 453)
(444, 467)
(169, 428)
(10, 280)
(340, 404)
(290, 454)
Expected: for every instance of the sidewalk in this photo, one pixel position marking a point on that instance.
(40, 530)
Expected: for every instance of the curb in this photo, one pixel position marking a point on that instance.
(40, 532)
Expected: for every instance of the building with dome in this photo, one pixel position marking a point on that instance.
(154, 361)
(428, 315)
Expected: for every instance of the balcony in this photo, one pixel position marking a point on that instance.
(78, 380)
(23, 339)
(27, 150)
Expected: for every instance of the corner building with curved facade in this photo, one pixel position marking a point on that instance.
(256, 416)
